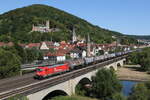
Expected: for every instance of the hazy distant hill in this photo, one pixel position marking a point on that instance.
(146, 37)
(16, 25)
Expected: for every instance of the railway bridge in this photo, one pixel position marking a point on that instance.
(63, 84)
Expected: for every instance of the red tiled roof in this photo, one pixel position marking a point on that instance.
(59, 52)
(2, 44)
(22, 45)
(6, 44)
(10, 44)
(49, 43)
(54, 54)
(31, 45)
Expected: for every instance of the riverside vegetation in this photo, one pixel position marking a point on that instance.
(106, 86)
(142, 58)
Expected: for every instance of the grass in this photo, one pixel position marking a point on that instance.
(72, 98)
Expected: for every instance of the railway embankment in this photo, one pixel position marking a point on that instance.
(132, 73)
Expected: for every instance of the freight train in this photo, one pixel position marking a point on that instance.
(45, 71)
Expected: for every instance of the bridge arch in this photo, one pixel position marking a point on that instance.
(124, 61)
(112, 67)
(54, 94)
(85, 80)
(118, 65)
(83, 86)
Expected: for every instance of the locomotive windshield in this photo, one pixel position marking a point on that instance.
(39, 69)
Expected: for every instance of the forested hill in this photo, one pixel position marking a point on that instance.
(16, 25)
(146, 37)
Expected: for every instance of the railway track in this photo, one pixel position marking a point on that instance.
(36, 85)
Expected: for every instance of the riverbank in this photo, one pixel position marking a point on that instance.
(132, 73)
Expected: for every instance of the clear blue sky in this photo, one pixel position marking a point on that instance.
(125, 16)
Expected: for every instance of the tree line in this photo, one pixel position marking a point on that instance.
(142, 58)
(11, 59)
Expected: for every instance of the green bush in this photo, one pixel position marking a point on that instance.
(18, 97)
(140, 92)
(142, 58)
(9, 64)
(72, 98)
(105, 84)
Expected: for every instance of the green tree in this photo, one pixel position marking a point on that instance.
(18, 97)
(72, 98)
(79, 90)
(33, 54)
(142, 58)
(133, 57)
(9, 64)
(21, 52)
(118, 96)
(105, 84)
(100, 52)
(140, 92)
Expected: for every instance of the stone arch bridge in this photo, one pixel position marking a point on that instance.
(65, 84)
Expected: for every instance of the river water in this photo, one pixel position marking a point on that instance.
(127, 87)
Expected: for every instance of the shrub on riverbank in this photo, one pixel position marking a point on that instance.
(140, 92)
(118, 96)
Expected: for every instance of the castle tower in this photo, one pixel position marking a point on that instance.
(47, 24)
(74, 38)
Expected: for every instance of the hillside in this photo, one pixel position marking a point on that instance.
(145, 37)
(16, 25)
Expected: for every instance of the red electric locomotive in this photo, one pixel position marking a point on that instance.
(46, 71)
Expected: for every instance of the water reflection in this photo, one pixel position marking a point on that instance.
(127, 87)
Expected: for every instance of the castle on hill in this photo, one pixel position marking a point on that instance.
(44, 28)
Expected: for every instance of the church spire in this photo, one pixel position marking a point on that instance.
(47, 24)
(88, 46)
(74, 38)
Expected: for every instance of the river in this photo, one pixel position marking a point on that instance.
(127, 87)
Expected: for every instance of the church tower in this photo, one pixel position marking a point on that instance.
(88, 46)
(74, 38)
(47, 24)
